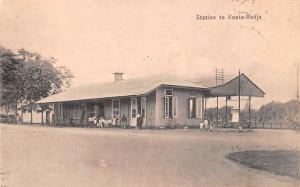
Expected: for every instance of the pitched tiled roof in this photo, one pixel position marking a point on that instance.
(127, 87)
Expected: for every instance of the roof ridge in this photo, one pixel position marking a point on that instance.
(132, 86)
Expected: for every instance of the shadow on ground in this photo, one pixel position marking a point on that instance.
(279, 162)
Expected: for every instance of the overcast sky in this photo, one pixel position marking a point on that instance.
(95, 38)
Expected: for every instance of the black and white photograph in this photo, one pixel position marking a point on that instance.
(149, 93)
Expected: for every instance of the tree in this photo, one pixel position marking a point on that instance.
(211, 113)
(43, 78)
(12, 72)
(29, 77)
(277, 111)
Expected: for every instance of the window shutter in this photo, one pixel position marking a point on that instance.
(166, 102)
(190, 107)
(199, 107)
(174, 107)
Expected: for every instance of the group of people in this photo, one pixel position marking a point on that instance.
(205, 125)
(102, 122)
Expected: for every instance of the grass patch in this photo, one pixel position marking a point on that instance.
(279, 162)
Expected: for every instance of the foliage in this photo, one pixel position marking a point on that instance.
(211, 113)
(11, 78)
(277, 111)
(270, 112)
(28, 77)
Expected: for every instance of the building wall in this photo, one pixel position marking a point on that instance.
(69, 110)
(154, 109)
(57, 118)
(36, 117)
(182, 118)
(150, 109)
(107, 104)
(74, 110)
(125, 109)
(108, 108)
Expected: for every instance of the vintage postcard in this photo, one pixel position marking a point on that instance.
(149, 93)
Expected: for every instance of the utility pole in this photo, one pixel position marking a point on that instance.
(298, 81)
(219, 80)
(239, 98)
(226, 111)
(249, 125)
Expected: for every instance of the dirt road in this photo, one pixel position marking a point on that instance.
(46, 156)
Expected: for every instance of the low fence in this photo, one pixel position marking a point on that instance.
(261, 124)
(272, 125)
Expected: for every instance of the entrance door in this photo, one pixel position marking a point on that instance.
(133, 112)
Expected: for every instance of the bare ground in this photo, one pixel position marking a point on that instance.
(47, 156)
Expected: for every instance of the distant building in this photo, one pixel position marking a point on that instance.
(162, 100)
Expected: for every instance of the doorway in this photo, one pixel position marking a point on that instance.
(133, 112)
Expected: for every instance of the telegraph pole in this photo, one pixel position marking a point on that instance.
(226, 111)
(298, 81)
(219, 80)
(217, 97)
(249, 125)
(239, 97)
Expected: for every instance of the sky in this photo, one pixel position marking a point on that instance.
(95, 38)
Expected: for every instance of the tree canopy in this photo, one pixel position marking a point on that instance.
(28, 77)
(270, 112)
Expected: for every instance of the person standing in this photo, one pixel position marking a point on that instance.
(211, 127)
(114, 121)
(201, 125)
(109, 122)
(139, 121)
(123, 121)
(205, 124)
